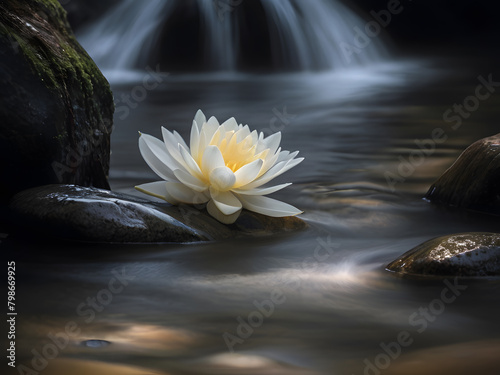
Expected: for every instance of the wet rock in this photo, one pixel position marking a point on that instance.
(248, 223)
(473, 181)
(56, 108)
(463, 254)
(96, 215)
(90, 214)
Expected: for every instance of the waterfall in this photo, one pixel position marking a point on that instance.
(229, 35)
(120, 38)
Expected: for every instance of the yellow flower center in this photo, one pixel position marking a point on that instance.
(237, 154)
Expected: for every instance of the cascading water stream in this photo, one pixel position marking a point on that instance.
(292, 35)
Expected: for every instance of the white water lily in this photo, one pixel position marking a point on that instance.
(225, 166)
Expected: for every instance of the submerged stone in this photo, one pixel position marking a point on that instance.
(96, 215)
(473, 181)
(56, 108)
(463, 254)
(96, 344)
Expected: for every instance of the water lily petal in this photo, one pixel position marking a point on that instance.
(180, 140)
(225, 201)
(216, 138)
(190, 181)
(192, 166)
(184, 194)
(260, 191)
(194, 142)
(289, 165)
(212, 158)
(222, 178)
(255, 136)
(230, 125)
(203, 142)
(157, 189)
(200, 119)
(242, 133)
(206, 134)
(154, 154)
(210, 127)
(285, 155)
(266, 177)
(268, 206)
(272, 143)
(274, 172)
(248, 173)
(269, 161)
(172, 146)
(218, 215)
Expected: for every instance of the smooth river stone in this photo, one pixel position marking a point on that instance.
(473, 181)
(463, 254)
(97, 215)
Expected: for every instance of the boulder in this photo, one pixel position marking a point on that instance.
(56, 108)
(96, 215)
(473, 181)
(463, 254)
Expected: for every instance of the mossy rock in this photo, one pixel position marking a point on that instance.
(463, 254)
(56, 107)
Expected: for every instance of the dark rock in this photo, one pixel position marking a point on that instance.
(56, 107)
(463, 254)
(473, 181)
(96, 215)
(248, 223)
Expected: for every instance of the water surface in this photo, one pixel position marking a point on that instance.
(314, 302)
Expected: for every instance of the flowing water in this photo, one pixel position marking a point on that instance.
(313, 302)
(297, 35)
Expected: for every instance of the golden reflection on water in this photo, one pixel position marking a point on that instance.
(151, 338)
(86, 367)
(477, 357)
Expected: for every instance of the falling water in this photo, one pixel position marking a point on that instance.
(295, 35)
(121, 37)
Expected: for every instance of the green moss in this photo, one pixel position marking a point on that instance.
(53, 52)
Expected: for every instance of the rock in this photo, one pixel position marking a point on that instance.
(248, 223)
(473, 181)
(463, 254)
(96, 215)
(56, 108)
(91, 214)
